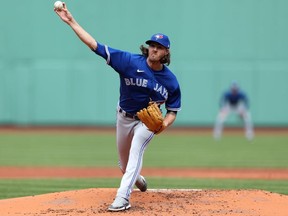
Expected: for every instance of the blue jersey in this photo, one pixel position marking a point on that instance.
(139, 83)
(234, 98)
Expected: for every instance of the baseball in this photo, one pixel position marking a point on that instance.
(58, 5)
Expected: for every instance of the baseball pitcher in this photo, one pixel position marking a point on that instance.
(145, 84)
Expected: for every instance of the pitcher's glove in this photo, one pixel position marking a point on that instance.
(152, 118)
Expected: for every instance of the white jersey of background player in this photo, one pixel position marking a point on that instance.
(234, 101)
(143, 78)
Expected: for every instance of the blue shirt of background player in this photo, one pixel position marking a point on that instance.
(233, 97)
(138, 83)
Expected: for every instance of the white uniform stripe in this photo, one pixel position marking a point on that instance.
(138, 164)
(108, 55)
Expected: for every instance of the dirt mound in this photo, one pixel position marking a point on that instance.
(153, 202)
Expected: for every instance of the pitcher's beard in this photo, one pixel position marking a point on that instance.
(154, 58)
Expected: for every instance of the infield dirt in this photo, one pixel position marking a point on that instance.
(162, 202)
(153, 202)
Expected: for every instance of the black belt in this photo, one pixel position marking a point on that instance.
(128, 115)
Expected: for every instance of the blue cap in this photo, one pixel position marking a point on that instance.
(161, 39)
(234, 85)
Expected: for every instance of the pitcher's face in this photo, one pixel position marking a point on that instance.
(156, 52)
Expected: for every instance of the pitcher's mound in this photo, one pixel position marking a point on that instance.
(153, 202)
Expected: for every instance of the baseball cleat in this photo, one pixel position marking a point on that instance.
(249, 135)
(119, 204)
(141, 183)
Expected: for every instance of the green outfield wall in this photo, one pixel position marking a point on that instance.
(49, 77)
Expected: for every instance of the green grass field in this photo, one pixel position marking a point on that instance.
(94, 150)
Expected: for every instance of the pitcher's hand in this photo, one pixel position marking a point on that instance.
(64, 14)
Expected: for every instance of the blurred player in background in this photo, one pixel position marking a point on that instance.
(234, 101)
